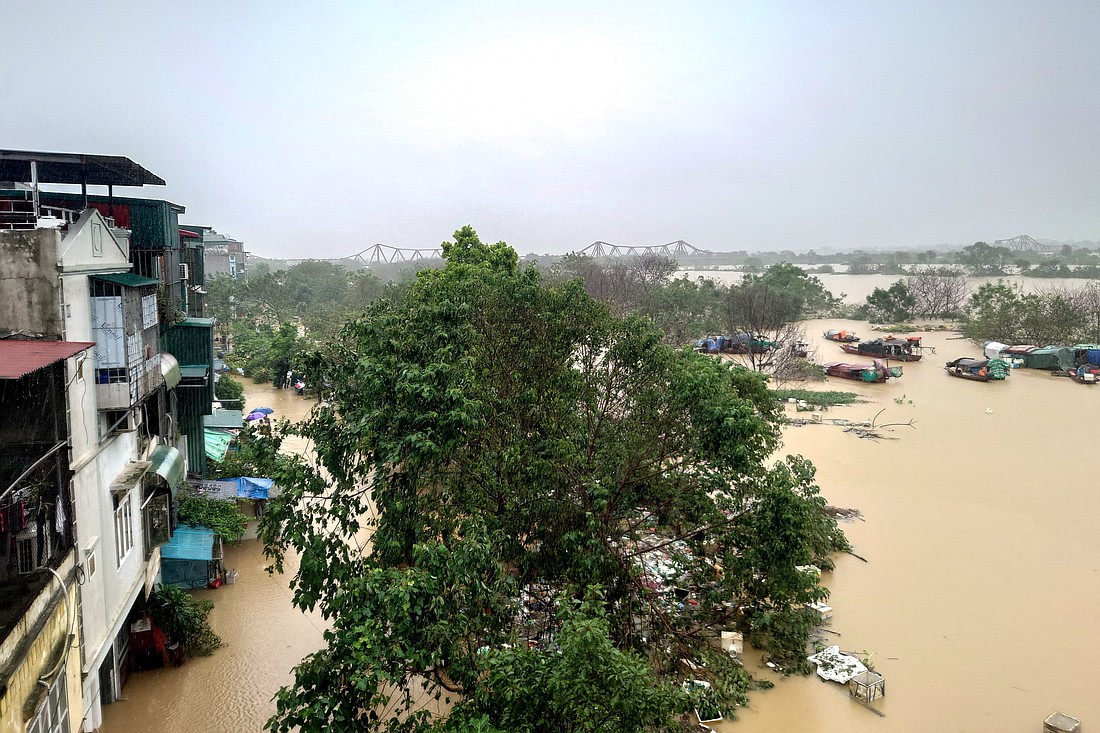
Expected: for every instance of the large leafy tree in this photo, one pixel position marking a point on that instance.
(894, 303)
(981, 259)
(488, 435)
(794, 282)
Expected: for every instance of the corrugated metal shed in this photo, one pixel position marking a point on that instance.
(191, 341)
(153, 223)
(20, 358)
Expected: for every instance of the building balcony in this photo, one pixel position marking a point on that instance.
(35, 531)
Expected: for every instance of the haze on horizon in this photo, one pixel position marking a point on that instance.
(318, 129)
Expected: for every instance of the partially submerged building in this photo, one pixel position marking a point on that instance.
(40, 650)
(112, 278)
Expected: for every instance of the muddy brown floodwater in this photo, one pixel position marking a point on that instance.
(979, 600)
(264, 637)
(981, 592)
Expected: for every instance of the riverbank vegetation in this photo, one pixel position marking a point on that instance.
(825, 398)
(563, 509)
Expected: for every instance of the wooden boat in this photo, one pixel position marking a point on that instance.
(875, 372)
(846, 337)
(906, 349)
(978, 370)
(739, 343)
(1083, 374)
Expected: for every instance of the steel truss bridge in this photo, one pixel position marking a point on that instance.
(1023, 243)
(384, 253)
(672, 249)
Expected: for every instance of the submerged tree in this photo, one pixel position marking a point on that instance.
(489, 434)
(892, 304)
(937, 291)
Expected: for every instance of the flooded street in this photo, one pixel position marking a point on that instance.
(264, 636)
(978, 599)
(980, 596)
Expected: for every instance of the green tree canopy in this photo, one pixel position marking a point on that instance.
(895, 303)
(494, 434)
(794, 282)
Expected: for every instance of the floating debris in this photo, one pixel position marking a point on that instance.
(835, 666)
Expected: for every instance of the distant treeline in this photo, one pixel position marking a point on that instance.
(272, 317)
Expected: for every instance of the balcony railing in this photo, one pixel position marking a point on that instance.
(17, 212)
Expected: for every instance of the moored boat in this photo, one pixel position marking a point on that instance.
(739, 343)
(871, 373)
(1083, 374)
(843, 336)
(906, 349)
(978, 370)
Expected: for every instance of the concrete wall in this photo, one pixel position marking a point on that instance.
(46, 626)
(107, 596)
(91, 246)
(29, 283)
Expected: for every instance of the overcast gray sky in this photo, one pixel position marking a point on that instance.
(317, 129)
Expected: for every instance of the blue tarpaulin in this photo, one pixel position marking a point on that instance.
(253, 488)
(243, 487)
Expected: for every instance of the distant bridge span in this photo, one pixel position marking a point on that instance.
(385, 253)
(679, 247)
(1023, 243)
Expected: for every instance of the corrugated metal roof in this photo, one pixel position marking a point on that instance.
(100, 170)
(20, 358)
(224, 419)
(189, 543)
(127, 279)
(170, 369)
(167, 462)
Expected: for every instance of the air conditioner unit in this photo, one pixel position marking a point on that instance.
(185, 271)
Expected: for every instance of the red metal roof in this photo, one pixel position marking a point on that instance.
(20, 358)
(188, 233)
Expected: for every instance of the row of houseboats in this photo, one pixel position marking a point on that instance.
(1080, 362)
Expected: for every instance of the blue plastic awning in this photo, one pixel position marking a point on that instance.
(189, 543)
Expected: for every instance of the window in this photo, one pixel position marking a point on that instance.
(90, 557)
(31, 551)
(148, 311)
(53, 716)
(157, 516)
(124, 528)
(111, 376)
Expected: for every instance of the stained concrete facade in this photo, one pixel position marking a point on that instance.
(29, 284)
(108, 459)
